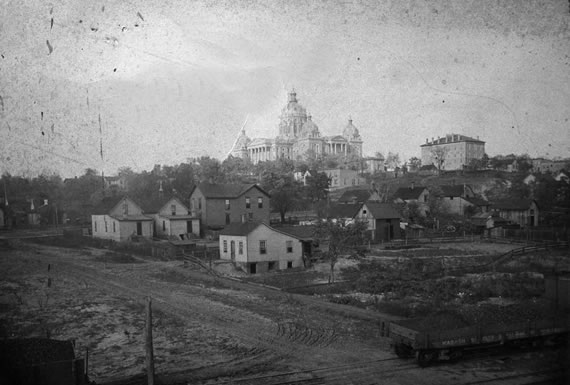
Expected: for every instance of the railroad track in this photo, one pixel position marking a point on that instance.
(366, 372)
(557, 376)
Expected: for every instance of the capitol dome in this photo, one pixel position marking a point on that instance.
(350, 131)
(242, 141)
(310, 129)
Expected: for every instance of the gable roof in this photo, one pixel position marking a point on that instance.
(409, 193)
(107, 204)
(239, 228)
(153, 206)
(477, 201)
(301, 232)
(513, 204)
(243, 229)
(382, 210)
(359, 196)
(225, 190)
(34, 351)
(346, 210)
(452, 190)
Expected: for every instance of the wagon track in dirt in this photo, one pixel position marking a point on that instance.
(262, 345)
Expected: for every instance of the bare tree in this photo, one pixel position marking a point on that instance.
(342, 239)
(438, 155)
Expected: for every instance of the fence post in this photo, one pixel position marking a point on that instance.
(149, 348)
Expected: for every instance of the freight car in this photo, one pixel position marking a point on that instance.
(430, 344)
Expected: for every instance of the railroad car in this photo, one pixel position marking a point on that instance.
(429, 344)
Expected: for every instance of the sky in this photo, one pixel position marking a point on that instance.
(126, 83)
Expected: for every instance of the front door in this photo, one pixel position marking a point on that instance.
(233, 250)
(139, 228)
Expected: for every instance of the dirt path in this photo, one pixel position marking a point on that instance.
(206, 330)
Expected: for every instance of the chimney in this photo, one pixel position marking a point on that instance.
(426, 140)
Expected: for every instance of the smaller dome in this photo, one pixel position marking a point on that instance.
(350, 131)
(310, 129)
(242, 141)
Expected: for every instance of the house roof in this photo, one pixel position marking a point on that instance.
(154, 205)
(34, 351)
(106, 205)
(451, 138)
(301, 232)
(477, 201)
(225, 190)
(409, 193)
(239, 228)
(360, 195)
(347, 210)
(382, 210)
(513, 204)
(452, 191)
(136, 217)
(243, 229)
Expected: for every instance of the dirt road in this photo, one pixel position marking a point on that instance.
(206, 329)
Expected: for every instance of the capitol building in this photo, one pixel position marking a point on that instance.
(299, 138)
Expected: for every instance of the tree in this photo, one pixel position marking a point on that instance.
(342, 238)
(438, 155)
(317, 186)
(277, 179)
(414, 164)
(392, 160)
(236, 170)
(437, 208)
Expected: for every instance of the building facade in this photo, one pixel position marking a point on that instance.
(298, 138)
(452, 152)
(259, 248)
(121, 220)
(341, 178)
(218, 205)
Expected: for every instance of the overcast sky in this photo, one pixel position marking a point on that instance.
(173, 79)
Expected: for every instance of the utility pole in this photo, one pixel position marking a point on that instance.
(149, 349)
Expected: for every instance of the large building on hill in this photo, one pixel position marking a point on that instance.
(298, 138)
(452, 152)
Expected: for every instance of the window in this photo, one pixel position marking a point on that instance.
(247, 203)
(262, 247)
(289, 264)
(114, 229)
(125, 208)
(225, 246)
(173, 209)
(425, 198)
(250, 216)
(95, 224)
(199, 203)
(271, 266)
(363, 212)
(289, 245)
(240, 248)
(260, 203)
(163, 226)
(106, 226)
(227, 204)
(192, 204)
(227, 218)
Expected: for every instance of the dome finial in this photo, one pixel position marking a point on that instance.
(292, 95)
